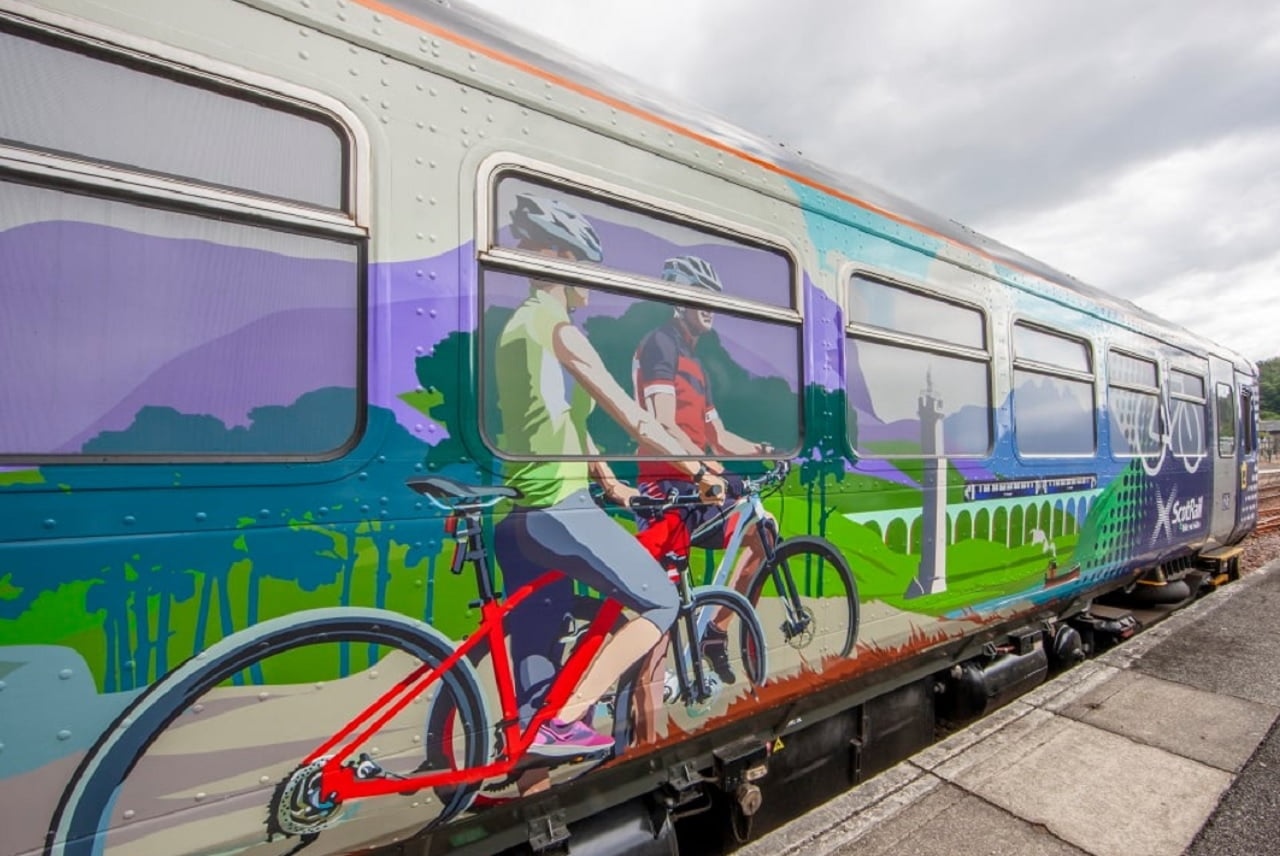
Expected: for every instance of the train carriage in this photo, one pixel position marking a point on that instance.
(415, 438)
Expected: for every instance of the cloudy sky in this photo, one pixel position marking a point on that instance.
(1135, 146)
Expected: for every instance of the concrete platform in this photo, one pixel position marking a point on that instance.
(1165, 745)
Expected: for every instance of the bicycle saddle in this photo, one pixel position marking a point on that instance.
(439, 487)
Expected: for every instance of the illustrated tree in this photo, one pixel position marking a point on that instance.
(300, 555)
(219, 557)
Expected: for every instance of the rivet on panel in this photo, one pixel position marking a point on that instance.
(64, 734)
(304, 55)
(373, 674)
(129, 520)
(263, 696)
(129, 814)
(201, 516)
(200, 797)
(49, 523)
(65, 674)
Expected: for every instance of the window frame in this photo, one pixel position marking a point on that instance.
(1200, 401)
(856, 331)
(1038, 367)
(1154, 392)
(127, 184)
(1218, 410)
(494, 258)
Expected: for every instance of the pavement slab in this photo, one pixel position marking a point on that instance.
(1231, 650)
(1221, 731)
(1103, 793)
(1247, 820)
(949, 821)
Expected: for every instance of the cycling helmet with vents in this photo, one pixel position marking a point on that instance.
(545, 222)
(691, 270)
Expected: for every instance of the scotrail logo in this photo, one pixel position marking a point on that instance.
(1186, 516)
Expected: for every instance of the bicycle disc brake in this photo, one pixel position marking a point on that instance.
(799, 633)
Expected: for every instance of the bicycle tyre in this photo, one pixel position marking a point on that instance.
(751, 641)
(81, 815)
(795, 550)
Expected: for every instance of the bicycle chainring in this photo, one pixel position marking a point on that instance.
(298, 806)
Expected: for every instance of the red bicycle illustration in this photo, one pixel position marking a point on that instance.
(462, 746)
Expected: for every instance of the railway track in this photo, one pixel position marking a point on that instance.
(1268, 505)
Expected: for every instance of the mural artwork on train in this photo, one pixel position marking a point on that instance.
(899, 465)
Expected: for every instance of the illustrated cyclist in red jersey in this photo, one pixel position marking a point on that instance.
(670, 383)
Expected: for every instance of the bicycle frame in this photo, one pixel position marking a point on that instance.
(753, 516)
(343, 782)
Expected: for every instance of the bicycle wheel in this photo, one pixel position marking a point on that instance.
(712, 606)
(808, 593)
(84, 814)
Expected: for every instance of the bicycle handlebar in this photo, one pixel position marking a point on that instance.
(655, 506)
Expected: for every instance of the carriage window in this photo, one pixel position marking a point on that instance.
(156, 123)
(918, 374)
(1053, 407)
(1226, 421)
(690, 326)
(641, 242)
(134, 328)
(1188, 414)
(884, 306)
(1248, 422)
(1133, 405)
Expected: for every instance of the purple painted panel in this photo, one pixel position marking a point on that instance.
(99, 321)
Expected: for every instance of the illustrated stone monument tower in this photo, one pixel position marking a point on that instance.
(932, 576)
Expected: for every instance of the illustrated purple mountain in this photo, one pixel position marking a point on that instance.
(100, 321)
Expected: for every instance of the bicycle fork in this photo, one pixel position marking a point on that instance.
(691, 676)
(797, 619)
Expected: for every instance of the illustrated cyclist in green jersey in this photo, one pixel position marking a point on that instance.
(549, 378)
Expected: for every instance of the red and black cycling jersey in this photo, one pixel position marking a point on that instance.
(665, 362)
